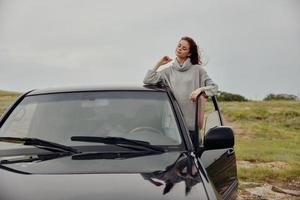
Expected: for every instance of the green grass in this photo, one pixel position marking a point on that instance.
(260, 174)
(268, 132)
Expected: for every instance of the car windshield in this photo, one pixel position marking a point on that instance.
(139, 115)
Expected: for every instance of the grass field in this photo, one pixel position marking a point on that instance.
(6, 98)
(267, 138)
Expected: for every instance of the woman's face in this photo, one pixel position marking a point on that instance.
(183, 49)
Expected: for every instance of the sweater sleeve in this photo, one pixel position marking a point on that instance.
(206, 83)
(154, 77)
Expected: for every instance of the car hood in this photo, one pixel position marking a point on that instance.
(166, 176)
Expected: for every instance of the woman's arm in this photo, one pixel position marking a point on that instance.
(153, 76)
(207, 86)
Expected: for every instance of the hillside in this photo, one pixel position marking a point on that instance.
(8, 93)
(6, 98)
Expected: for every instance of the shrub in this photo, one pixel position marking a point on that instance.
(280, 97)
(226, 96)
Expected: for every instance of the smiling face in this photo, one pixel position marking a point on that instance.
(183, 49)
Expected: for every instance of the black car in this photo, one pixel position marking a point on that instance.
(112, 143)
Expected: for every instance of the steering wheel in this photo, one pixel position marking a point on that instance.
(142, 128)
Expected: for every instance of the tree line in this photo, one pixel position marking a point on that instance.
(226, 96)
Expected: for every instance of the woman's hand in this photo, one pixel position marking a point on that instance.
(164, 60)
(195, 93)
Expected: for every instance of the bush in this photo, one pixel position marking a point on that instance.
(226, 96)
(280, 97)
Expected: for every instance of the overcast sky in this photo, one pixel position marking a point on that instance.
(252, 47)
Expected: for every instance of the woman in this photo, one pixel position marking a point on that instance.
(186, 78)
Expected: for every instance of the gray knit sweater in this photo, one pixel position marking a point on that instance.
(182, 81)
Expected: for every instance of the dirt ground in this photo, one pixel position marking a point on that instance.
(266, 191)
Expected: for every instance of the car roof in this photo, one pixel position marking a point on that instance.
(97, 88)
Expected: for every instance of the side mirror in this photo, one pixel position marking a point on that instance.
(218, 138)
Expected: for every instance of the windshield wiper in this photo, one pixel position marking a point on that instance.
(43, 144)
(119, 141)
(113, 155)
(33, 158)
